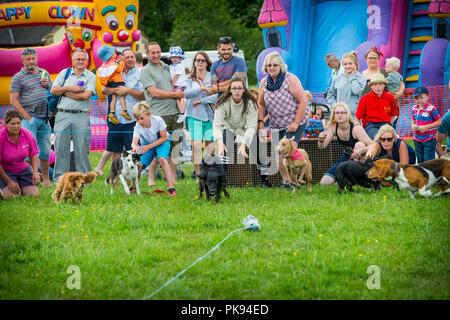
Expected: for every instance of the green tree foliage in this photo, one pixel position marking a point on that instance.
(198, 26)
(156, 20)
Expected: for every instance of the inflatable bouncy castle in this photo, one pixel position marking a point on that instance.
(89, 25)
(304, 31)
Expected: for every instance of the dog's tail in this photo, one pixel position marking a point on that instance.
(107, 180)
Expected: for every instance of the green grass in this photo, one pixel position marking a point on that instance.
(311, 246)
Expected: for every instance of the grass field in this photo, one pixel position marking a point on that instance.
(311, 246)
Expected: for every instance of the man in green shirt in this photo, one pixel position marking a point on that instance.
(160, 96)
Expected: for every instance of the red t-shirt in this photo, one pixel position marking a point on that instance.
(376, 109)
(12, 155)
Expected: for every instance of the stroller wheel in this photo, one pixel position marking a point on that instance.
(180, 174)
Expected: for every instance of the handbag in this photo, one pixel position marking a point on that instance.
(52, 100)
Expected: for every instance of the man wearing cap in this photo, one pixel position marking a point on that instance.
(227, 66)
(72, 120)
(28, 95)
(377, 107)
(161, 98)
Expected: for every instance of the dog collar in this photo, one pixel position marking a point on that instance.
(394, 183)
(296, 155)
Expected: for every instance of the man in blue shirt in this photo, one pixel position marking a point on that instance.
(227, 66)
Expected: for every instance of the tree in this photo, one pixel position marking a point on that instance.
(198, 26)
(156, 20)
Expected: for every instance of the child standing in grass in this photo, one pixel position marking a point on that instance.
(426, 119)
(150, 139)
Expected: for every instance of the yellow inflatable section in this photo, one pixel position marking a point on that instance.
(88, 25)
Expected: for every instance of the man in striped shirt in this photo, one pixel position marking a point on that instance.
(28, 95)
(426, 119)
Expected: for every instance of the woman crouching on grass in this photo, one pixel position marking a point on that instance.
(17, 177)
(348, 133)
(151, 133)
(386, 142)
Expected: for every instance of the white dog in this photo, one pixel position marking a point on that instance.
(124, 169)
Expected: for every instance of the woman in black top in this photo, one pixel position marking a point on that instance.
(349, 134)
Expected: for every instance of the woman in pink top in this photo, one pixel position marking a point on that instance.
(16, 144)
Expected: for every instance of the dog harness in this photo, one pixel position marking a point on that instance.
(296, 155)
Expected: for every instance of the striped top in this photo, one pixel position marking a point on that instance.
(428, 114)
(32, 96)
(282, 106)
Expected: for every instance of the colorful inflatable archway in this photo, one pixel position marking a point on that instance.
(89, 25)
(304, 31)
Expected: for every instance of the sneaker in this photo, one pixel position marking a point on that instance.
(145, 172)
(172, 192)
(286, 185)
(181, 118)
(132, 190)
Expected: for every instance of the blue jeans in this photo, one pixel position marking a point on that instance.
(425, 150)
(373, 127)
(41, 131)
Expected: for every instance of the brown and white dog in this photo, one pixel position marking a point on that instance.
(71, 186)
(420, 177)
(296, 162)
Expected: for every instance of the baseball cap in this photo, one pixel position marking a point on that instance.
(420, 90)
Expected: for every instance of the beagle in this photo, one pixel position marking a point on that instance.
(420, 177)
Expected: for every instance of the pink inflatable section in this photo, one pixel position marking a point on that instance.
(57, 57)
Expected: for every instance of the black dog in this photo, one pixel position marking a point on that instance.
(212, 178)
(351, 173)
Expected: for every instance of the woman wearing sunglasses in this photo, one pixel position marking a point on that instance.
(386, 142)
(199, 106)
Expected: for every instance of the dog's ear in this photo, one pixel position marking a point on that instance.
(202, 175)
(124, 153)
(72, 176)
(89, 177)
(136, 156)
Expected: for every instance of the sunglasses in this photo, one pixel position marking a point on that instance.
(225, 40)
(340, 113)
(272, 65)
(28, 51)
(387, 139)
(200, 60)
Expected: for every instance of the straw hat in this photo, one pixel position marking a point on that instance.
(377, 78)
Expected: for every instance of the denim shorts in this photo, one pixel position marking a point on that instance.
(41, 131)
(297, 134)
(332, 171)
(119, 136)
(160, 151)
(23, 178)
